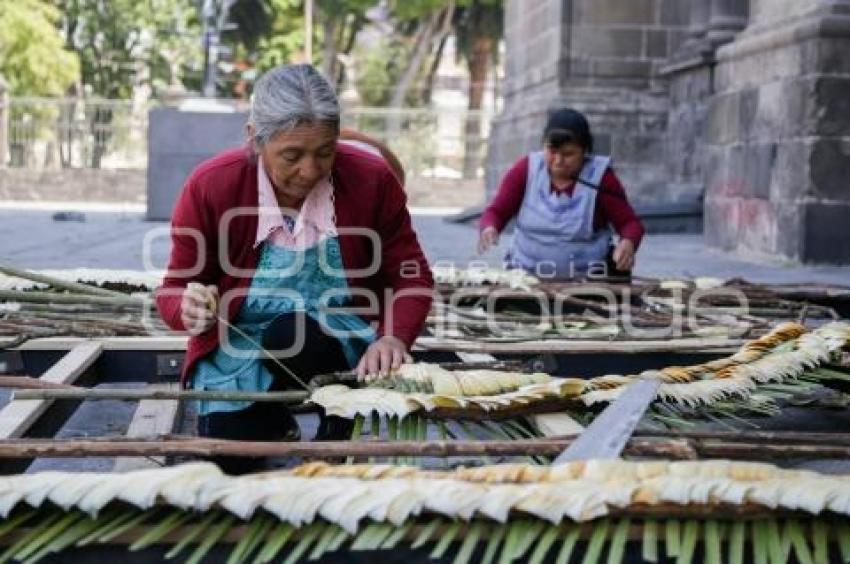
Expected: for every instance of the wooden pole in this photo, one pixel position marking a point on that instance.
(777, 437)
(58, 283)
(560, 346)
(33, 448)
(30, 383)
(289, 397)
(677, 449)
(53, 297)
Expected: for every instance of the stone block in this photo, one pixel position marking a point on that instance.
(757, 225)
(826, 233)
(723, 118)
(828, 55)
(716, 172)
(574, 67)
(653, 122)
(733, 175)
(619, 68)
(830, 168)
(656, 43)
(639, 148)
(780, 110)
(674, 12)
(596, 12)
(677, 38)
(721, 223)
(832, 100)
(602, 143)
(644, 183)
(790, 180)
(692, 85)
(789, 229)
(766, 12)
(758, 165)
(597, 41)
(747, 110)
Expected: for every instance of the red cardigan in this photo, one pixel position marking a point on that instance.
(366, 195)
(610, 209)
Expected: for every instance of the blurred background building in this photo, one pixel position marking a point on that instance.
(739, 107)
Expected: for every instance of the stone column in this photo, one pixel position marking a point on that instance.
(4, 122)
(690, 71)
(779, 134)
(698, 20)
(726, 18)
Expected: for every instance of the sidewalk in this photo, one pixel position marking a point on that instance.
(30, 238)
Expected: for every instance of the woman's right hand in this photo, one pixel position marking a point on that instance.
(488, 239)
(198, 308)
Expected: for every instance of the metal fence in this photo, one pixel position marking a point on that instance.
(45, 133)
(431, 143)
(434, 144)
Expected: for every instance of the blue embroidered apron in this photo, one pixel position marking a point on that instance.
(285, 281)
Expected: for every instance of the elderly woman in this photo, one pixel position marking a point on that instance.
(564, 199)
(291, 258)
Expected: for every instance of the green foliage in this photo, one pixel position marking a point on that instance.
(409, 10)
(379, 69)
(284, 40)
(123, 44)
(475, 19)
(32, 58)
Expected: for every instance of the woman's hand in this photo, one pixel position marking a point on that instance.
(386, 354)
(198, 308)
(489, 238)
(624, 254)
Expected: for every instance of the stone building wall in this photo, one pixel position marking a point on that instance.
(744, 104)
(779, 134)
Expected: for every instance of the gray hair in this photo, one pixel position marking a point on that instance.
(288, 96)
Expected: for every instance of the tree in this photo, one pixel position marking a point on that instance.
(425, 24)
(268, 33)
(124, 44)
(127, 44)
(340, 21)
(378, 69)
(32, 57)
(282, 40)
(478, 28)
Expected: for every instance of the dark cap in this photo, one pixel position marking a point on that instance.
(566, 125)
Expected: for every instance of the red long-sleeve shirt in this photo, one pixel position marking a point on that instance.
(610, 209)
(214, 228)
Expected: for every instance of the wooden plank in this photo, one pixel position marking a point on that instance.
(161, 343)
(568, 346)
(178, 343)
(19, 415)
(138, 394)
(152, 418)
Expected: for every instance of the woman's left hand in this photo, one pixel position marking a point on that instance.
(624, 254)
(386, 354)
